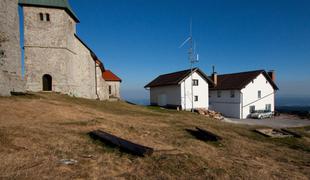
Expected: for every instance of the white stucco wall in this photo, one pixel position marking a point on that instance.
(227, 105)
(239, 106)
(202, 91)
(172, 94)
(250, 95)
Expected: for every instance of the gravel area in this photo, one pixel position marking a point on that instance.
(282, 121)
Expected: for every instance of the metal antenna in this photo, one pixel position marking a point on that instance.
(192, 57)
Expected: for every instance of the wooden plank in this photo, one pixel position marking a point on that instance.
(123, 144)
(296, 135)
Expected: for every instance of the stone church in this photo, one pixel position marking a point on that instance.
(56, 59)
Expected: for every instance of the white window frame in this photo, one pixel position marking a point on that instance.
(219, 94)
(259, 94)
(250, 108)
(268, 107)
(195, 82)
(232, 93)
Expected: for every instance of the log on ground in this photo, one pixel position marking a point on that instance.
(130, 147)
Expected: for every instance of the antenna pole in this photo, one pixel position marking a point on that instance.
(192, 57)
(191, 60)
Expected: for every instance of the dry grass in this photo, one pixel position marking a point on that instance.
(37, 131)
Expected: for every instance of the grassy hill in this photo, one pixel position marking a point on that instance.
(37, 131)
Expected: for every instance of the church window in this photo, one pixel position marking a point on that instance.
(110, 89)
(41, 17)
(47, 17)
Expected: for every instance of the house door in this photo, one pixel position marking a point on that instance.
(162, 100)
(47, 82)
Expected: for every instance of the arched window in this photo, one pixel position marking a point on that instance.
(47, 17)
(47, 82)
(41, 17)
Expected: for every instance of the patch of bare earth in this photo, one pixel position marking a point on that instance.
(37, 131)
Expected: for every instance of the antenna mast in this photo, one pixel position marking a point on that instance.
(192, 57)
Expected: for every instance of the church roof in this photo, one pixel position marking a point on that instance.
(110, 76)
(61, 4)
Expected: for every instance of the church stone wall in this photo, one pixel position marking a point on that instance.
(102, 86)
(115, 88)
(10, 52)
(52, 48)
(84, 72)
(48, 48)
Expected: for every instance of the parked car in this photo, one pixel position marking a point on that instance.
(261, 114)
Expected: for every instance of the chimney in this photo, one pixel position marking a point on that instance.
(214, 76)
(272, 75)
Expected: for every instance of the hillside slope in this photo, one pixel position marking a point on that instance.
(37, 131)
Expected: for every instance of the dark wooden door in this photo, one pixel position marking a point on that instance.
(47, 82)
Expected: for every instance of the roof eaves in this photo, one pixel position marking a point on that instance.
(200, 72)
(93, 55)
(51, 4)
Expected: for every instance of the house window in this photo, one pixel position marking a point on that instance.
(268, 107)
(252, 109)
(47, 17)
(232, 93)
(219, 94)
(259, 94)
(195, 82)
(41, 16)
(110, 89)
(196, 98)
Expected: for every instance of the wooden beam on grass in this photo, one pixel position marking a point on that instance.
(123, 144)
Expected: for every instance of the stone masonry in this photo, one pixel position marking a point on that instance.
(10, 52)
(55, 58)
(51, 47)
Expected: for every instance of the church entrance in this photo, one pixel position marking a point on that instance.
(47, 82)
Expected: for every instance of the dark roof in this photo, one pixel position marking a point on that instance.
(61, 4)
(175, 78)
(237, 81)
(110, 76)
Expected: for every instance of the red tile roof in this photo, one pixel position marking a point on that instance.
(110, 76)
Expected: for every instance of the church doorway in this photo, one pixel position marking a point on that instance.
(47, 82)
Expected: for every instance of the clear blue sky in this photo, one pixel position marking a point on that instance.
(139, 39)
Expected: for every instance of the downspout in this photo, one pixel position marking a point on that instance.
(241, 104)
(96, 84)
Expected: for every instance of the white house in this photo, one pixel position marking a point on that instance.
(175, 89)
(237, 95)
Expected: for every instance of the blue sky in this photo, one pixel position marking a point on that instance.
(139, 39)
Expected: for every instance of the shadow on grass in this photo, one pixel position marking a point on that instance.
(206, 137)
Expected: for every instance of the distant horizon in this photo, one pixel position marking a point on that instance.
(280, 100)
